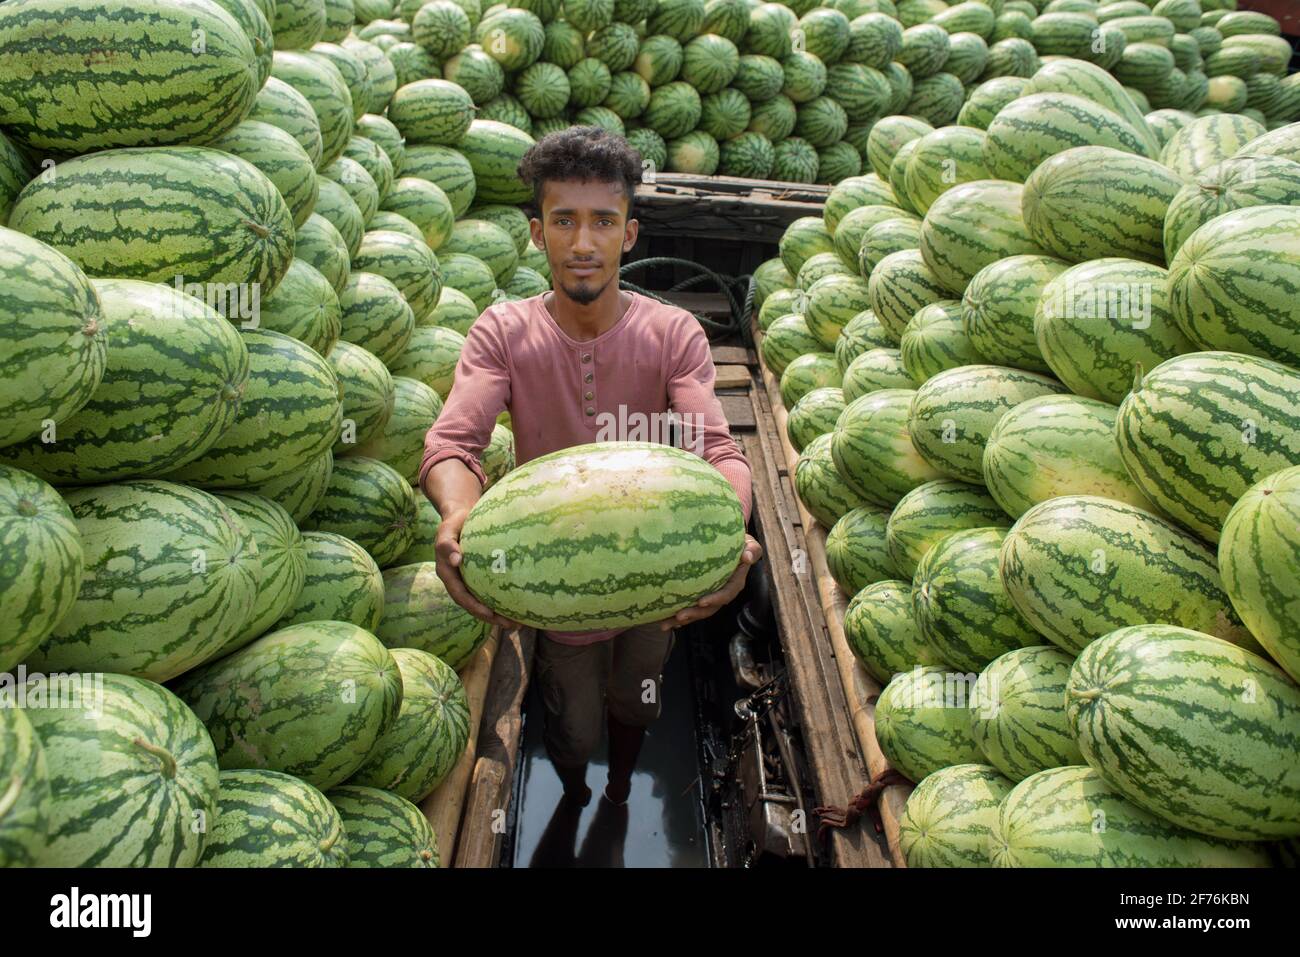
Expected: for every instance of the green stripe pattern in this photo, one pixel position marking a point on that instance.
(855, 549)
(1080, 566)
(172, 385)
(319, 243)
(860, 334)
(1090, 81)
(814, 370)
(875, 369)
(351, 69)
(400, 444)
(78, 76)
(419, 614)
(997, 310)
(426, 531)
(888, 136)
(408, 263)
(337, 205)
(15, 171)
(280, 158)
(1208, 140)
(785, 340)
(299, 491)
(368, 395)
(873, 450)
(933, 510)
(424, 204)
(156, 214)
(353, 179)
(282, 106)
(935, 340)
(802, 239)
(370, 503)
(813, 415)
(1259, 558)
(1056, 445)
(961, 607)
(298, 24)
(311, 700)
(171, 576)
(1236, 183)
(948, 818)
(1070, 817)
(986, 100)
(1092, 202)
(289, 415)
(494, 151)
(943, 159)
(606, 535)
(24, 791)
(900, 284)
(853, 227)
(436, 112)
(269, 819)
(1017, 712)
(487, 241)
(1235, 283)
(378, 128)
(383, 829)
(430, 734)
(922, 724)
(1202, 428)
(894, 235)
(341, 582)
(1195, 730)
(1098, 323)
(882, 633)
(445, 168)
(1037, 126)
(304, 307)
(322, 85)
(953, 413)
(832, 302)
(129, 774)
(53, 337)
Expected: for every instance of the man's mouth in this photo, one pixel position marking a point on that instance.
(582, 268)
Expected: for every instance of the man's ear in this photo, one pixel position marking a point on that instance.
(538, 234)
(630, 232)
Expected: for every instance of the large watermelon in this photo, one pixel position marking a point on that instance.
(882, 632)
(933, 510)
(371, 504)
(922, 724)
(24, 826)
(270, 819)
(1037, 126)
(873, 450)
(300, 490)
(305, 307)
(948, 818)
(383, 829)
(998, 310)
(935, 340)
(341, 582)
(855, 549)
(418, 613)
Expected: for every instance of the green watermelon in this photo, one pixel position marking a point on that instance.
(817, 267)
(802, 239)
(922, 724)
(1200, 429)
(475, 71)
(819, 486)
(679, 19)
(998, 309)
(874, 369)
(323, 86)
(367, 389)
(351, 68)
(472, 277)
(659, 60)
(319, 244)
(943, 159)
(774, 118)
(900, 284)
(855, 549)
(300, 490)
(25, 825)
(376, 316)
(860, 334)
(269, 819)
(875, 39)
(455, 310)
(1092, 82)
(813, 415)
(370, 503)
(885, 238)
(280, 158)
(770, 26)
(340, 207)
(190, 569)
(748, 155)
(305, 307)
(948, 818)
(882, 633)
(1206, 141)
(937, 99)
(430, 733)
(852, 193)
(831, 302)
(383, 84)
(436, 112)
(494, 151)
(932, 511)
(400, 444)
(986, 101)
(408, 263)
(384, 829)
(1080, 566)
(130, 769)
(934, 340)
(872, 447)
(418, 613)
(1037, 126)
(341, 583)
(925, 50)
(431, 357)
(1071, 817)
(1237, 777)
(1056, 445)
(485, 241)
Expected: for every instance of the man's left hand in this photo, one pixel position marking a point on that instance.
(709, 604)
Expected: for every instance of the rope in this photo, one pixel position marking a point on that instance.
(839, 817)
(727, 285)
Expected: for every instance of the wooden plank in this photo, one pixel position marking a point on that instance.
(733, 184)
(483, 823)
(738, 411)
(443, 808)
(715, 304)
(732, 377)
(861, 691)
(733, 355)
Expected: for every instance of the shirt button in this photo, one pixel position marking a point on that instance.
(589, 396)
(590, 410)
(587, 377)
(586, 357)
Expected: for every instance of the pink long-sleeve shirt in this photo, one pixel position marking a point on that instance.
(654, 360)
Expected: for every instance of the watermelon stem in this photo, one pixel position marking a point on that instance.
(10, 797)
(261, 231)
(162, 754)
(330, 841)
(1137, 376)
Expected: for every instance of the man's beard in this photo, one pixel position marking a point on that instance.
(583, 294)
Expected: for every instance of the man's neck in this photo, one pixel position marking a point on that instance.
(583, 322)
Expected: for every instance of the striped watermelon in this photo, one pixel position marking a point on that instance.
(1165, 123)
(486, 241)
(429, 735)
(822, 122)
(898, 175)
(374, 314)
(875, 39)
(873, 451)
(888, 136)
(855, 549)
(383, 84)
(948, 818)
(78, 76)
(1097, 323)
(937, 99)
(709, 62)
(225, 222)
(445, 168)
(336, 204)
(900, 284)
(434, 111)
(802, 239)
(860, 334)
(863, 92)
(1284, 142)
(128, 776)
(853, 193)
(1235, 283)
(658, 60)
(925, 50)
(24, 826)
(323, 86)
(819, 486)
(935, 340)
(1144, 65)
(43, 564)
(882, 632)
(494, 151)
(890, 236)
(189, 567)
(813, 415)
(441, 27)
(953, 413)
(815, 267)
(922, 723)
(400, 443)
(543, 89)
(341, 583)
(1037, 126)
(455, 310)
(431, 357)
(418, 613)
(383, 829)
(298, 23)
(875, 369)
(280, 158)
(370, 503)
(172, 386)
(997, 310)
(972, 226)
(374, 160)
(774, 118)
(319, 244)
(787, 339)
(1056, 445)
(852, 229)
(300, 490)
(269, 819)
(472, 277)
(932, 511)
(290, 413)
(475, 71)
(276, 704)
(987, 100)
(1070, 817)
(1259, 558)
(408, 263)
(1092, 202)
(1017, 710)
(1236, 777)
(960, 605)
(367, 389)
(748, 155)
(1206, 141)
(668, 491)
(1092, 82)
(831, 302)
(1080, 566)
(282, 558)
(351, 69)
(1200, 429)
(305, 307)
(943, 159)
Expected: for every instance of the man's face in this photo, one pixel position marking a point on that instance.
(584, 230)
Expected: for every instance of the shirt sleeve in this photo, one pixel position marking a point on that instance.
(482, 391)
(704, 429)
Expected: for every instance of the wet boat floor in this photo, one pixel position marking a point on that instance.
(662, 824)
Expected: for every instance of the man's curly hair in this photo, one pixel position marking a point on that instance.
(582, 153)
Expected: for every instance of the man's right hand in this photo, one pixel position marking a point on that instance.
(447, 547)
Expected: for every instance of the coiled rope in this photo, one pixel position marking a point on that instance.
(731, 286)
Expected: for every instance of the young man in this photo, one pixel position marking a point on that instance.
(581, 357)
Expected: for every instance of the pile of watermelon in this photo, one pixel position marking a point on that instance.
(225, 327)
(1043, 374)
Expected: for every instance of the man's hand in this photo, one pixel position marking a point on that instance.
(447, 545)
(709, 604)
